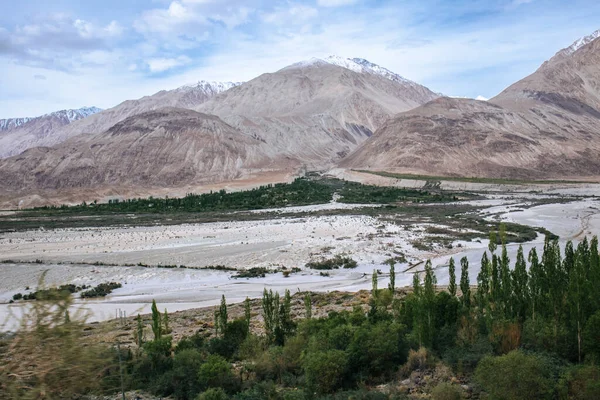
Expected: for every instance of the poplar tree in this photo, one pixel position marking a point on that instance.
(307, 306)
(156, 322)
(428, 304)
(392, 285)
(536, 283)
(465, 286)
(285, 317)
(594, 271)
(495, 289)
(505, 282)
(452, 278)
(418, 308)
(520, 287)
(483, 292)
(247, 312)
(578, 297)
(223, 317)
(555, 283)
(139, 336)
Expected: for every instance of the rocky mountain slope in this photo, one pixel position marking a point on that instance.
(166, 147)
(317, 111)
(544, 126)
(301, 116)
(188, 96)
(18, 134)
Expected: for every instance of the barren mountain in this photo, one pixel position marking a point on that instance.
(30, 135)
(18, 134)
(544, 126)
(302, 115)
(166, 147)
(317, 111)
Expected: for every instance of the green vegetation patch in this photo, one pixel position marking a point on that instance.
(333, 263)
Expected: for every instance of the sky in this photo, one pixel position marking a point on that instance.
(64, 54)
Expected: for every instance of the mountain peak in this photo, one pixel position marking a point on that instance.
(66, 115)
(359, 65)
(209, 86)
(579, 43)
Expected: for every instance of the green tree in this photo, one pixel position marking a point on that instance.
(392, 284)
(157, 328)
(270, 306)
(520, 286)
(482, 296)
(452, 277)
(428, 305)
(247, 312)
(223, 317)
(591, 338)
(325, 370)
(578, 296)
(139, 334)
(416, 308)
(595, 270)
(505, 283)
(465, 286)
(184, 374)
(215, 372)
(307, 306)
(536, 283)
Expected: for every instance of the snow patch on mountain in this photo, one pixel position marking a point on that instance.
(9, 123)
(359, 65)
(211, 88)
(579, 43)
(66, 116)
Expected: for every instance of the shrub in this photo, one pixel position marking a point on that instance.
(215, 373)
(515, 376)
(582, 383)
(417, 361)
(333, 263)
(102, 290)
(325, 370)
(445, 391)
(186, 364)
(213, 394)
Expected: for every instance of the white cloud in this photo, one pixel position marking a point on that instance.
(335, 3)
(164, 64)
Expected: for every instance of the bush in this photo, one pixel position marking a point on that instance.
(417, 361)
(515, 376)
(325, 370)
(184, 375)
(213, 394)
(102, 290)
(333, 263)
(445, 391)
(582, 383)
(215, 373)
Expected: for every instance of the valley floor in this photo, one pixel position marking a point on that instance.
(95, 255)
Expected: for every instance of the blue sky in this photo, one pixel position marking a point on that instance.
(70, 53)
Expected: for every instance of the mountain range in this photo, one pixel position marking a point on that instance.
(318, 114)
(18, 134)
